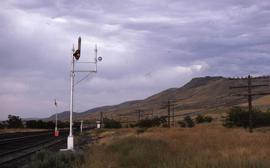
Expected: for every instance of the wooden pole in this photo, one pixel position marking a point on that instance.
(101, 119)
(169, 113)
(250, 104)
(173, 114)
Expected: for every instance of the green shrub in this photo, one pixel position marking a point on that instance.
(155, 122)
(110, 123)
(2, 125)
(189, 121)
(208, 119)
(14, 122)
(182, 124)
(131, 125)
(202, 119)
(239, 117)
(236, 117)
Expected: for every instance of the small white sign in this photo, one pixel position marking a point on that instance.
(98, 124)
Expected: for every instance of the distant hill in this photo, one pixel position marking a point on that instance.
(28, 119)
(203, 94)
(62, 116)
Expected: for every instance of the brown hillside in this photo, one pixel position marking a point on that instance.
(200, 95)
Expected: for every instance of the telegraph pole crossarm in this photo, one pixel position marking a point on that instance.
(253, 94)
(85, 71)
(244, 86)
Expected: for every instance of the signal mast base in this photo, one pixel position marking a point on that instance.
(70, 142)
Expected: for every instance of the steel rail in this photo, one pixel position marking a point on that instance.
(8, 140)
(30, 151)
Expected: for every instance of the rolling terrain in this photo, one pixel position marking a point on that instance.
(203, 95)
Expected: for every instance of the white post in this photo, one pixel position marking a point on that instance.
(56, 122)
(96, 58)
(55, 105)
(81, 125)
(70, 142)
(98, 124)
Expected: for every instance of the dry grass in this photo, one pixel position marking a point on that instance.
(204, 146)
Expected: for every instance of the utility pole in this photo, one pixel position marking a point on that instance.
(56, 123)
(111, 116)
(81, 126)
(119, 118)
(173, 114)
(139, 113)
(75, 57)
(250, 105)
(101, 119)
(169, 113)
(171, 108)
(56, 118)
(249, 95)
(56, 133)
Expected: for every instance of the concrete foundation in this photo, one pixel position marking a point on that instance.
(70, 143)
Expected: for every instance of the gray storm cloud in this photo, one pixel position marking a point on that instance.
(147, 46)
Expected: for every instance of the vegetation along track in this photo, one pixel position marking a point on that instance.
(14, 149)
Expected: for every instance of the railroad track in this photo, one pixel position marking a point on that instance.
(14, 149)
(16, 139)
(21, 134)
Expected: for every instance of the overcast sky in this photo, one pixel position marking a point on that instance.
(147, 46)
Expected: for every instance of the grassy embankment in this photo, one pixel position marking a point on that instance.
(204, 146)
